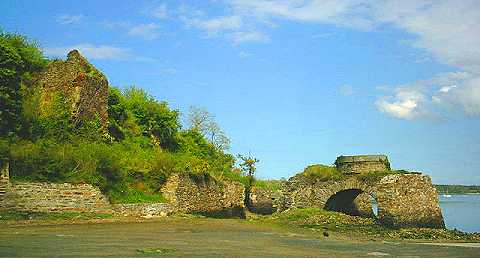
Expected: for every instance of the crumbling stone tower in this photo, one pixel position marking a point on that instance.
(82, 89)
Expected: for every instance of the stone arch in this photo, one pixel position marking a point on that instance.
(352, 197)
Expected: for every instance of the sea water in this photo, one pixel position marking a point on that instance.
(461, 212)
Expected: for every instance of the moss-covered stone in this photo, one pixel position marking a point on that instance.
(83, 88)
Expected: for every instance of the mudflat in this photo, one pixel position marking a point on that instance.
(200, 237)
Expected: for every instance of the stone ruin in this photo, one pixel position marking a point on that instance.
(362, 164)
(403, 199)
(82, 88)
(203, 194)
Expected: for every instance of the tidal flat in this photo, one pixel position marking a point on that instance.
(203, 237)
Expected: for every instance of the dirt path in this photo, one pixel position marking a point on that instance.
(174, 237)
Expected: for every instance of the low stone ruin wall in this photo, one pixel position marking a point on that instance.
(263, 201)
(202, 194)
(49, 197)
(144, 209)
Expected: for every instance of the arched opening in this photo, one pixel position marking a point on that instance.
(353, 202)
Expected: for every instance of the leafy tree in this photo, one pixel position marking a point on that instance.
(155, 119)
(19, 59)
(201, 120)
(248, 167)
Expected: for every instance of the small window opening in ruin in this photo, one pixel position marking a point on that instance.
(374, 206)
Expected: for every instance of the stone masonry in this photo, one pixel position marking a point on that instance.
(362, 164)
(202, 194)
(404, 200)
(83, 87)
(49, 197)
(4, 178)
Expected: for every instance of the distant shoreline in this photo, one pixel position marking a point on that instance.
(458, 189)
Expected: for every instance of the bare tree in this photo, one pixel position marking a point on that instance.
(201, 120)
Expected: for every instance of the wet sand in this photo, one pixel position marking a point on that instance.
(181, 237)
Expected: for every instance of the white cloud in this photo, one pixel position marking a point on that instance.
(90, 51)
(434, 97)
(213, 27)
(147, 31)
(351, 13)
(248, 36)
(405, 104)
(67, 19)
(346, 90)
(160, 12)
(243, 54)
(447, 30)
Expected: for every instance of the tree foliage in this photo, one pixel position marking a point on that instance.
(19, 60)
(199, 119)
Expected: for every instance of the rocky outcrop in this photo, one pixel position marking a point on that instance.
(202, 194)
(78, 85)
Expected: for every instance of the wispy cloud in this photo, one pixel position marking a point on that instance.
(248, 36)
(67, 19)
(447, 32)
(215, 26)
(346, 90)
(160, 12)
(147, 31)
(243, 54)
(101, 52)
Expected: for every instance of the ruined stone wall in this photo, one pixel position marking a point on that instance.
(49, 197)
(362, 164)
(404, 200)
(83, 87)
(4, 178)
(144, 209)
(204, 195)
(408, 200)
(263, 201)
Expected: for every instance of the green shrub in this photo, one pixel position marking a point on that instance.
(272, 185)
(322, 173)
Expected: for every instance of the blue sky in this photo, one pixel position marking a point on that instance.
(293, 82)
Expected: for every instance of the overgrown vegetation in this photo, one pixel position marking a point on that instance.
(144, 142)
(322, 173)
(326, 173)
